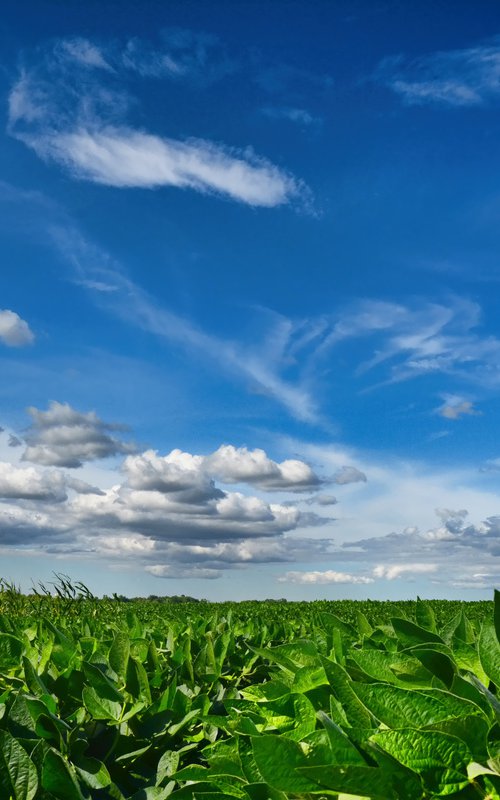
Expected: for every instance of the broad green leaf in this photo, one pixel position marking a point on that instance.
(489, 652)
(270, 690)
(137, 681)
(425, 616)
(496, 613)
(440, 759)
(167, 765)
(437, 660)
(467, 658)
(277, 759)
(93, 772)
(375, 663)
(356, 713)
(18, 777)
(308, 678)
(364, 626)
(100, 707)
(59, 779)
(11, 649)
(410, 634)
(119, 653)
(403, 708)
(261, 791)
(471, 730)
(293, 715)
(353, 779)
(33, 681)
(101, 683)
(343, 751)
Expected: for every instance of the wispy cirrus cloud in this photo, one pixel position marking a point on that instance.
(260, 365)
(453, 78)
(64, 109)
(299, 116)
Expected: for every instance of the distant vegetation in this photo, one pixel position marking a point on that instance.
(173, 697)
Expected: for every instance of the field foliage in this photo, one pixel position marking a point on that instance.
(148, 700)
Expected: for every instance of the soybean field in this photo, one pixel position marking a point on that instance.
(148, 700)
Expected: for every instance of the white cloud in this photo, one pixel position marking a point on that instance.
(397, 570)
(322, 500)
(260, 365)
(411, 341)
(455, 407)
(231, 464)
(455, 78)
(180, 54)
(328, 576)
(349, 475)
(14, 331)
(170, 571)
(64, 437)
(123, 157)
(69, 117)
(298, 115)
(84, 52)
(180, 471)
(31, 484)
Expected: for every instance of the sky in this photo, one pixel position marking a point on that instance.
(249, 331)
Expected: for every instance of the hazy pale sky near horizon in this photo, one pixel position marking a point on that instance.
(249, 329)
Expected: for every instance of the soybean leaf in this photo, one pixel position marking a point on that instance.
(410, 634)
(364, 781)
(402, 708)
(18, 776)
(439, 758)
(489, 652)
(11, 649)
(119, 653)
(100, 707)
(425, 616)
(277, 760)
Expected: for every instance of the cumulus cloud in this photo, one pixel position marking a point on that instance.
(397, 570)
(64, 437)
(328, 576)
(180, 471)
(171, 571)
(14, 441)
(176, 516)
(322, 500)
(14, 331)
(30, 484)
(67, 116)
(167, 512)
(230, 464)
(349, 475)
(453, 550)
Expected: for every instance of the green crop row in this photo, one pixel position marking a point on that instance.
(196, 701)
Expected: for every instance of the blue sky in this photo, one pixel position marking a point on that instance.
(249, 337)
